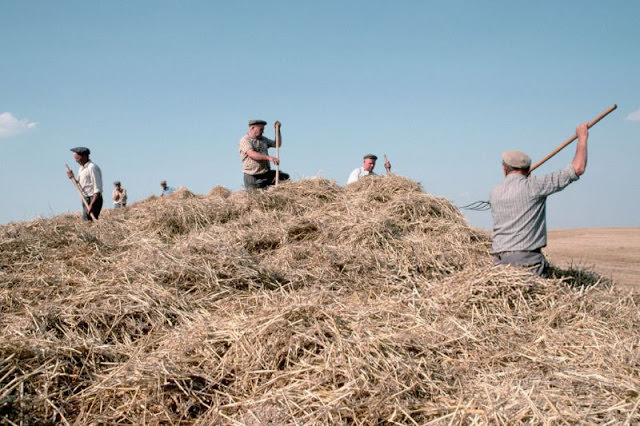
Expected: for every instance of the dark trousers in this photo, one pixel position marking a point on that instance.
(253, 182)
(96, 209)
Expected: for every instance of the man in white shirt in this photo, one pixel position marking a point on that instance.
(90, 180)
(368, 163)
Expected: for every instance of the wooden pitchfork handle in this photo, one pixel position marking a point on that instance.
(572, 138)
(278, 141)
(81, 193)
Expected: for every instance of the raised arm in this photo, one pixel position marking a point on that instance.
(580, 158)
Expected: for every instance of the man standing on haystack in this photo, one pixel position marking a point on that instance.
(254, 154)
(119, 195)
(89, 183)
(368, 164)
(518, 206)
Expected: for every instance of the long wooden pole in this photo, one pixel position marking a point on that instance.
(572, 138)
(80, 192)
(278, 137)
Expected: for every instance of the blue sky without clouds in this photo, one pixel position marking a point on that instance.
(164, 89)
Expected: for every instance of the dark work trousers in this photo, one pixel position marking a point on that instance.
(97, 207)
(263, 180)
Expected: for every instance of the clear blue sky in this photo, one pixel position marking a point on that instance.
(164, 89)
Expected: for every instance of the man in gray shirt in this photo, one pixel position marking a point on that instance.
(518, 206)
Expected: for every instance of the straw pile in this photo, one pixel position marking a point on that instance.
(308, 303)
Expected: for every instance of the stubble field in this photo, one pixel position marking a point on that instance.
(612, 252)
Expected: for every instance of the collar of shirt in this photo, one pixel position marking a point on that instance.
(515, 176)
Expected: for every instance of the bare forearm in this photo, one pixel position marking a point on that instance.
(261, 157)
(257, 156)
(580, 158)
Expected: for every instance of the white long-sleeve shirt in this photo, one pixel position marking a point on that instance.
(358, 173)
(90, 178)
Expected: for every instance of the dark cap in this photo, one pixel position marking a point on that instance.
(257, 122)
(371, 156)
(116, 182)
(81, 150)
(516, 159)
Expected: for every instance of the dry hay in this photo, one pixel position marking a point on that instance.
(219, 191)
(308, 303)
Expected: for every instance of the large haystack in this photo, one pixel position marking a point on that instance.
(308, 303)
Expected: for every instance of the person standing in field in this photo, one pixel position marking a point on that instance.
(166, 189)
(368, 164)
(518, 206)
(254, 154)
(119, 195)
(90, 182)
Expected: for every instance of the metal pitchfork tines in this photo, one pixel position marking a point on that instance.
(479, 206)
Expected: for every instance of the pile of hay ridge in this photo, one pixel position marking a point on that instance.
(308, 303)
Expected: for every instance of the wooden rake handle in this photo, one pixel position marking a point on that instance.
(573, 138)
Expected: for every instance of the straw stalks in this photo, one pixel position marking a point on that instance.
(303, 304)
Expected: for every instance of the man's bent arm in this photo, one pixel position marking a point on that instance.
(261, 157)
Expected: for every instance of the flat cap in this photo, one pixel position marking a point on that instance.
(116, 182)
(516, 159)
(372, 156)
(81, 150)
(257, 122)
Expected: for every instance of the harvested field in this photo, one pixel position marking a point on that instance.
(308, 303)
(612, 252)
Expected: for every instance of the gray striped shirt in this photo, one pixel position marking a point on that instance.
(518, 209)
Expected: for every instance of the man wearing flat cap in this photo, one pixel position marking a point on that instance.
(518, 206)
(368, 164)
(90, 182)
(254, 154)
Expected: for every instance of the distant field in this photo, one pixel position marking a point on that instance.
(612, 252)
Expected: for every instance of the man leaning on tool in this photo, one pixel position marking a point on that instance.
(518, 206)
(254, 153)
(90, 180)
